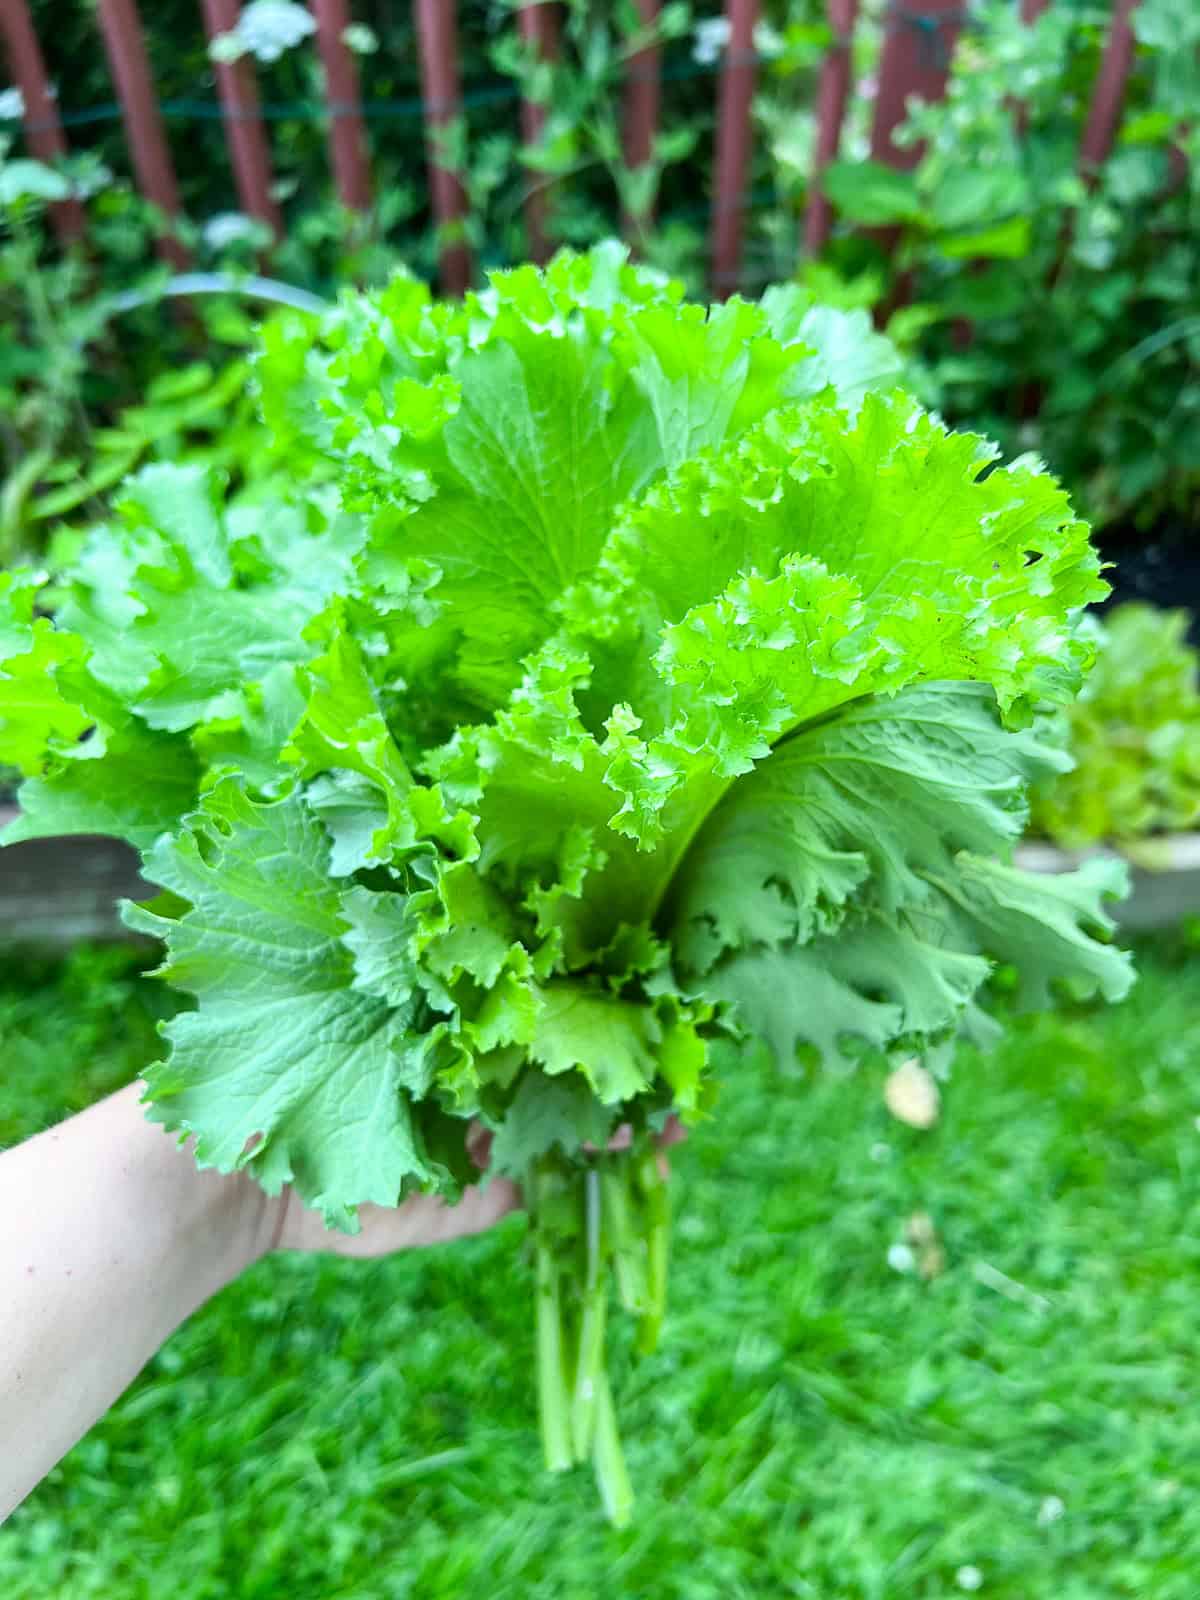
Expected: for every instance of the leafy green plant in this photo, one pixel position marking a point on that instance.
(644, 677)
(1081, 290)
(80, 404)
(1134, 734)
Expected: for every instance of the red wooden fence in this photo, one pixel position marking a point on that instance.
(643, 90)
(918, 38)
(122, 31)
(916, 54)
(538, 23)
(42, 127)
(1105, 111)
(443, 107)
(833, 90)
(238, 89)
(734, 139)
(347, 136)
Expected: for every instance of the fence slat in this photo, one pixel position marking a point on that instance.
(43, 131)
(916, 55)
(347, 134)
(121, 29)
(733, 145)
(238, 89)
(443, 105)
(538, 24)
(1031, 10)
(832, 90)
(643, 92)
(1109, 92)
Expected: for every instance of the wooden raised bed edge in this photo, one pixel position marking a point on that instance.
(1164, 875)
(62, 891)
(59, 892)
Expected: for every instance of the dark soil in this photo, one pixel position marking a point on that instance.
(1161, 566)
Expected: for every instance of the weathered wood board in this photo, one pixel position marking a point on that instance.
(61, 891)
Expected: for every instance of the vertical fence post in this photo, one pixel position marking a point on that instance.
(733, 145)
(1109, 93)
(238, 89)
(915, 61)
(43, 131)
(347, 136)
(538, 24)
(122, 32)
(916, 55)
(443, 105)
(643, 87)
(832, 90)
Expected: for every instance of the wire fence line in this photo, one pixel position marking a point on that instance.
(918, 40)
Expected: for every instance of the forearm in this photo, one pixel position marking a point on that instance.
(109, 1239)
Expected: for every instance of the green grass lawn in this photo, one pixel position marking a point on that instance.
(818, 1423)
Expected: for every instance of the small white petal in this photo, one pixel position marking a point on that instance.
(1050, 1510)
(901, 1258)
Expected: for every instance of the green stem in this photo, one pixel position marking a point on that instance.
(17, 488)
(553, 1400)
(608, 1459)
(589, 1371)
(658, 1231)
(625, 1242)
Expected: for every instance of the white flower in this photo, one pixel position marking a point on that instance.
(226, 47)
(1050, 1510)
(361, 39)
(12, 105)
(709, 40)
(768, 41)
(229, 227)
(87, 174)
(969, 1578)
(901, 1259)
(21, 181)
(269, 27)
(265, 29)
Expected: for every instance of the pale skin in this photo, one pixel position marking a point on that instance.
(112, 1237)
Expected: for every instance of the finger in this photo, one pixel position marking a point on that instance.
(673, 1132)
(427, 1219)
(479, 1145)
(480, 1208)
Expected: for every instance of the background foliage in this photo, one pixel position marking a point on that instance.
(1056, 309)
(1134, 733)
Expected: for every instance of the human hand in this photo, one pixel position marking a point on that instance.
(425, 1219)
(422, 1219)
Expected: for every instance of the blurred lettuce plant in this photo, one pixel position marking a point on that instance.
(1134, 733)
